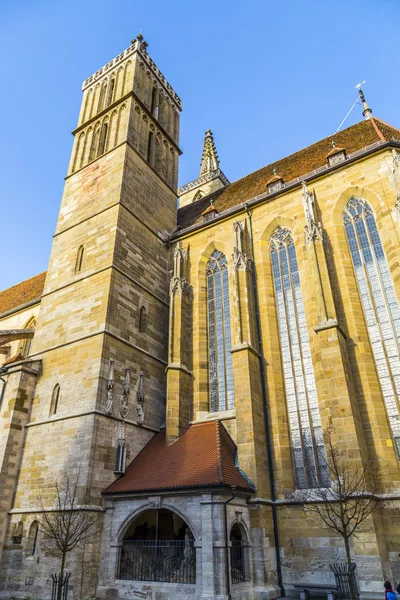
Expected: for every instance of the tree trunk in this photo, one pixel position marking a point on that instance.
(349, 568)
(60, 583)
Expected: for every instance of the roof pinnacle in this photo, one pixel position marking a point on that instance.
(367, 112)
(209, 159)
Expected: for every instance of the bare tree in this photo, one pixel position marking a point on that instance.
(67, 523)
(350, 499)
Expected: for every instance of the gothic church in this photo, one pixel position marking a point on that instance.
(189, 360)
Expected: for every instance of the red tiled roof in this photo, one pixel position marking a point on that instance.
(353, 138)
(30, 289)
(203, 456)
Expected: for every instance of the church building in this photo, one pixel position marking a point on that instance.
(187, 349)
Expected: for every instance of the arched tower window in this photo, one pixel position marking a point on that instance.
(110, 91)
(95, 143)
(55, 397)
(102, 96)
(103, 139)
(79, 259)
(28, 343)
(219, 334)
(31, 542)
(142, 323)
(301, 393)
(379, 301)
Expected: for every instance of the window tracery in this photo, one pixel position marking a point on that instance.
(300, 388)
(219, 334)
(379, 302)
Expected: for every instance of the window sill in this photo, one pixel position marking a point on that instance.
(222, 415)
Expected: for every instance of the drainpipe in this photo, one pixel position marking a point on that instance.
(3, 387)
(228, 578)
(265, 406)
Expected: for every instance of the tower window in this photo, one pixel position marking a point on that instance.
(142, 325)
(102, 97)
(79, 259)
(154, 102)
(301, 392)
(103, 139)
(219, 334)
(379, 302)
(95, 143)
(55, 397)
(120, 457)
(110, 92)
(150, 148)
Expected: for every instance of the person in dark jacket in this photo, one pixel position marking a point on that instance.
(389, 593)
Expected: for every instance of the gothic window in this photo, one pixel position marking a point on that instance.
(31, 542)
(379, 301)
(95, 143)
(102, 96)
(103, 139)
(150, 147)
(28, 343)
(79, 259)
(219, 334)
(120, 457)
(142, 324)
(110, 91)
(55, 397)
(301, 393)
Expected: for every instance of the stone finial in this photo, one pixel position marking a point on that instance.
(209, 159)
(140, 398)
(110, 387)
(178, 280)
(126, 389)
(240, 259)
(313, 230)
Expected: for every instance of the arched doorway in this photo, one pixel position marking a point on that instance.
(238, 555)
(158, 546)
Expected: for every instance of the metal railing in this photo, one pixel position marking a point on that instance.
(238, 570)
(171, 561)
(346, 581)
(59, 586)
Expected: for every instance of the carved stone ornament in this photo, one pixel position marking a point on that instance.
(178, 281)
(110, 387)
(240, 260)
(313, 231)
(140, 398)
(126, 389)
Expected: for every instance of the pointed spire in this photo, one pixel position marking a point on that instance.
(367, 112)
(209, 159)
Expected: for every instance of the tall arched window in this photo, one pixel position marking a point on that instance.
(219, 333)
(379, 301)
(31, 542)
(95, 143)
(102, 96)
(301, 393)
(55, 397)
(142, 321)
(110, 91)
(103, 139)
(79, 259)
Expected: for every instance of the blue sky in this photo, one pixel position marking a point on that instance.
(267, 77)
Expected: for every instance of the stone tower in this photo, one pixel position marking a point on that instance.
(102, 332)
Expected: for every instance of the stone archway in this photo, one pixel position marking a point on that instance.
(158, 545)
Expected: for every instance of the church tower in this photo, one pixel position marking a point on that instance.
(102, 332)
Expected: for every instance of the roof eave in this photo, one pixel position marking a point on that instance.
(266, 197)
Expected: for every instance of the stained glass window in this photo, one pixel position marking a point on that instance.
(219, 333)
(301, 394)
(379, 301)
